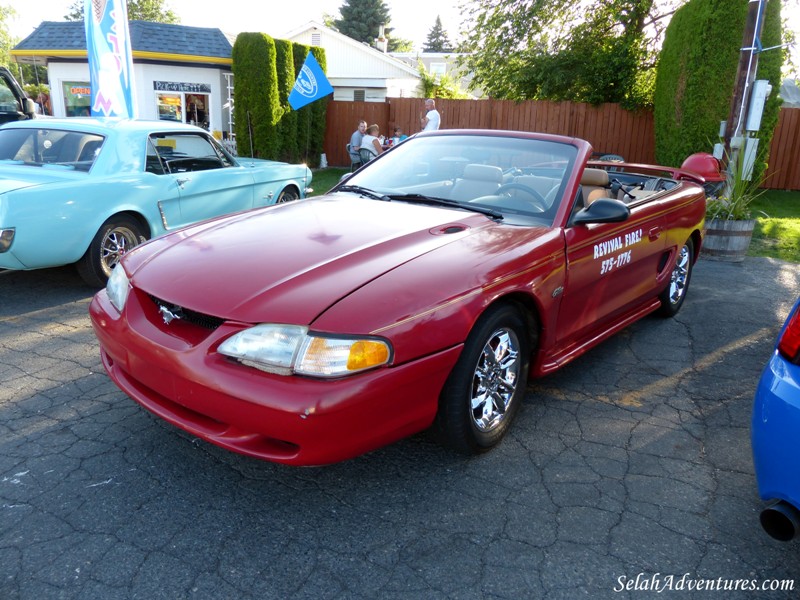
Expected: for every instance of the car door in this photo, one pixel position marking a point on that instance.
(611, 270)
(207, 181)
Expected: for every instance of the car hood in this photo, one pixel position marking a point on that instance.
(289, 263)
(18, 177)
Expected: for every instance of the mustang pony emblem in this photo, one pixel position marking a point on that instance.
(169, 315)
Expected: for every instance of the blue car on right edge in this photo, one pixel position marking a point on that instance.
(776, 433)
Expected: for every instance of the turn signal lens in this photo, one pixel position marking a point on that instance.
(287, 349)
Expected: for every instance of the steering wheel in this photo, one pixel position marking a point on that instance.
(540, 200)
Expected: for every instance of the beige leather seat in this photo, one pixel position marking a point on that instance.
(595, 184)
(476, 181)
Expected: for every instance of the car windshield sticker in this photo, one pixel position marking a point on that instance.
(616, 246)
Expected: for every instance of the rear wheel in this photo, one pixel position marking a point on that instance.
(117, 236)
(487, 384)
(675, 293)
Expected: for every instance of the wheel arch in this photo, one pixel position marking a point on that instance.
(132, 214)
(528, 309)
(697, 242)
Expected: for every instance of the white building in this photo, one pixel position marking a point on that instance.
(180, 73)
(358, 71)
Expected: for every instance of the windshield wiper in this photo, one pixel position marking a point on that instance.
(357, 189)
(489, 212)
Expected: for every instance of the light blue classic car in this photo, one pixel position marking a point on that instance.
(86, 191)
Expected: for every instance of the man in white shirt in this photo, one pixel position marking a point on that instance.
(431, 120)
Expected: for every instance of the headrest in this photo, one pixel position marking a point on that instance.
(598, 177)
(483, 173)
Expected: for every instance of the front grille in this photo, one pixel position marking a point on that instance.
(186, 315)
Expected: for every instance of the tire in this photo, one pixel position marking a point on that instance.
(116, 236)
(482, 395)
(675, 293)
(288, 194)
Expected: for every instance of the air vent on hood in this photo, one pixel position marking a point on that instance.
(449, 228)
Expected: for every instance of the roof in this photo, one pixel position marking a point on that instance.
(149, 41)
(341, 65)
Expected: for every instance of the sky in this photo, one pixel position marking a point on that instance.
(411, 19)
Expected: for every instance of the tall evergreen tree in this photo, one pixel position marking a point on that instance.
(362, 19)
(437, 39)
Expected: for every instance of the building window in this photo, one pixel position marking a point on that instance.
(438, 69)
(170, 107)
(77, 98)
(359, 95)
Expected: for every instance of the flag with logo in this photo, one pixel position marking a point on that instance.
(108, 44)
(311, 84)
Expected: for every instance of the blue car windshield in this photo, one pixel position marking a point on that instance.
(522, 179)
(49, 148)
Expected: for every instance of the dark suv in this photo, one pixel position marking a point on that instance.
(14, 104)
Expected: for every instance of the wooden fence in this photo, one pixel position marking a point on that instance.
(609, 128)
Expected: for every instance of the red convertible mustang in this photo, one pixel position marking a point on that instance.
(424, 290)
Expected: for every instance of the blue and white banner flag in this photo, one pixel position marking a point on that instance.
(311, 84)
(108, 43)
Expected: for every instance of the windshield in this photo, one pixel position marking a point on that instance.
(523, 179)
(74, 150)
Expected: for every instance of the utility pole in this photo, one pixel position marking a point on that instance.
(745, 76)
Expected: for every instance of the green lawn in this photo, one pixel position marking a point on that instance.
(325, 179)
(777, 233)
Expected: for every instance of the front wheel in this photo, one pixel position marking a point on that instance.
(487, 384)
(675, 293)
(117, 236)
(287, 195)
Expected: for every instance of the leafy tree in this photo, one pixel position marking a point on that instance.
(523, 49)
(35, 75)
(7, 42)
(438, 86)
(138, 10)
(362, 19)
(437, 40)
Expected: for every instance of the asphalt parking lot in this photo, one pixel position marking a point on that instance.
(627, 472)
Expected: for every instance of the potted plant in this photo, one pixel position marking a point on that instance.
(729, 221)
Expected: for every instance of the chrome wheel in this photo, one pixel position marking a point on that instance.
(675, 293)
(115, 244)
(495, 380)
(487, 384)
(115, 238)
(680, 276)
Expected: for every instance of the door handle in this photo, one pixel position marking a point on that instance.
(654, 233)
(181, 181)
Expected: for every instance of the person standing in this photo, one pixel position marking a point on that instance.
(356, 139)
(430, 119)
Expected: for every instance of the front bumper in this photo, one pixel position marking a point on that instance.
(286, 419)
(776, 432)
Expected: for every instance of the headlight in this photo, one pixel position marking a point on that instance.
(286, 349)
(118, 287)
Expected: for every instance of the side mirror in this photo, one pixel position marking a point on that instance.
(28, 107)
(603, 210)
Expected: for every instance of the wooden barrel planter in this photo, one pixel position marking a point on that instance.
(727, 240)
